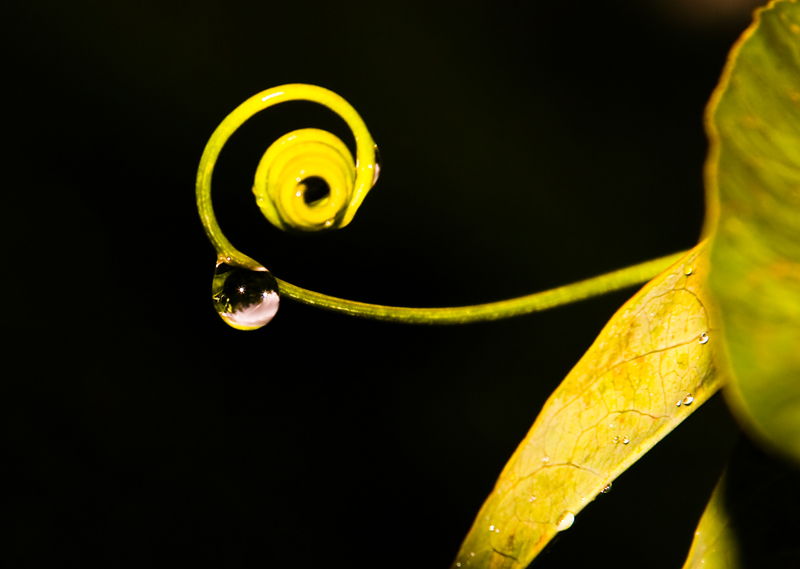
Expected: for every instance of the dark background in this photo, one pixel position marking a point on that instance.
(525, 145)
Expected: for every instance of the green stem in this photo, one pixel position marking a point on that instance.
(581, 290)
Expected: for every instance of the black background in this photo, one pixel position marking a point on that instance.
(525, 145)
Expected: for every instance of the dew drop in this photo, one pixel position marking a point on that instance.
(616, 440)
(606, 489)
(545, 459)
(688, 271)
(678, 403)
(491, 528)
(703, 338)
(565, 521)
(377, 165)
(626, 440)
(532, 499)
(458, 564)
(245, 299)
(688, 399)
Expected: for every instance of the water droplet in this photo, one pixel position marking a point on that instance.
(532, 499)
(245, 299)
(616, 440)
(545, 459)
(688, 399)
(626, 440)
(606, 489)
(565, 521)
(377, 165)
(472, 554)
(703, 338)
(687, 271)
(678, 403)
(491, 528)
(497, 530)
(458, 564)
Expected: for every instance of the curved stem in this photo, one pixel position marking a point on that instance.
(581, 290)
(365, 155)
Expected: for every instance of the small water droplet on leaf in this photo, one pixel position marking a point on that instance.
(688, 399)
(626, 440)
(565, 521)
(703, 338)
(606, 489)
(687, 271)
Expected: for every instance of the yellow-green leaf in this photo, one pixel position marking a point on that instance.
(753, 181)
(649, 368)
(751, 519)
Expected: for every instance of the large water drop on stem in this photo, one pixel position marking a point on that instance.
(245, 299)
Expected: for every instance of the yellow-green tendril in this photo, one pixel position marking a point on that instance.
(581, 290)
(284, 190)
(288, 166)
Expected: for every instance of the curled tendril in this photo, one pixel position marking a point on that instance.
(308, 181)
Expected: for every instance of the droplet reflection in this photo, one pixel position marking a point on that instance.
(703, 338)
(688, 400)
(606, 489)
(245, 299)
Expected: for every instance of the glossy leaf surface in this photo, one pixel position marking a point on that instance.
(649, 368)
(754, 201)
(751, 519)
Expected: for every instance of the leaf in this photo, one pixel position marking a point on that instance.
(751, 519)
(623, 396)
(753, 184)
